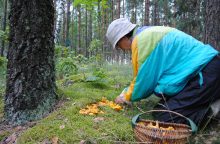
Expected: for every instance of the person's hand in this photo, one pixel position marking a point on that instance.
(121, 99)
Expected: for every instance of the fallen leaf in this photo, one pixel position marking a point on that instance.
(62, 126)
(46, 141)
(98, 119)
(18, 128)
(54, 140)
(82, 142)
(11, 139)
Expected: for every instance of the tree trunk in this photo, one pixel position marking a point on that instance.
(99, 20)
(4, 26)
(58, 37)
(68, 14)
(112, 8)
(133, 11)
(30, 87)
(124, 53)
(146, 16)
(64, 24)
(156, 13)
(166, 12)
(119, 8)
(123, 8)
(86, 34)
(72, 32)
(79, 29)
(56, 15)
(90, 27)
(212, 21)
(112, 4)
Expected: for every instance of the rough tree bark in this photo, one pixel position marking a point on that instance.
(212, 23)
(30, 87)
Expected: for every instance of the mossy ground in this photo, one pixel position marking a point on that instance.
(66, 124)
(116, 126)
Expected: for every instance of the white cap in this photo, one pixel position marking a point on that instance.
(117, 29)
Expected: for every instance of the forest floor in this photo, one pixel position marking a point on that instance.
(66, 125)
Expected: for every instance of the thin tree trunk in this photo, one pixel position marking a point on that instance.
(64, 24)
(119, 8)
(146, 16)
(99, 20)
(123, 8)
(79, 29)
(212, 21)
(113, 51)
(118, 16)
(68, 13)
(4, 26)
(156, 13)
(90, 26)
(166, 12)
(103, 32)
(86, 33)
(30, 87)
(112, 10)
(124, 53)
(72, 32)
(55, 19)
(133, 13)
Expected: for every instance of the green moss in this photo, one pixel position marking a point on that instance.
(21, 117)
(116, 126)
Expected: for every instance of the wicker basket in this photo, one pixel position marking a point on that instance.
(145, 134)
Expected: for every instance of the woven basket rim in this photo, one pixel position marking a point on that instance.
(138, 132)
(156, 133)
(165, 123)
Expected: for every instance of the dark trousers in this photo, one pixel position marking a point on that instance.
(195, 99)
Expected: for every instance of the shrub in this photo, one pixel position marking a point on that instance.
(66, 67)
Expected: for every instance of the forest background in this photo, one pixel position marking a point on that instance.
(87, 67)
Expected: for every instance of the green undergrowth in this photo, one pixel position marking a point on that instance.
(86, 87)
(69, 126)
(2, 83)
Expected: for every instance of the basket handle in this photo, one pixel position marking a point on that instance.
(136, 118)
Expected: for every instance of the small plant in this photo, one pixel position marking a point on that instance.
(98, 75)
(95, 48)
(61, 51)
(4, 34)
(66, 67)
(80, 59)
(3, 63)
